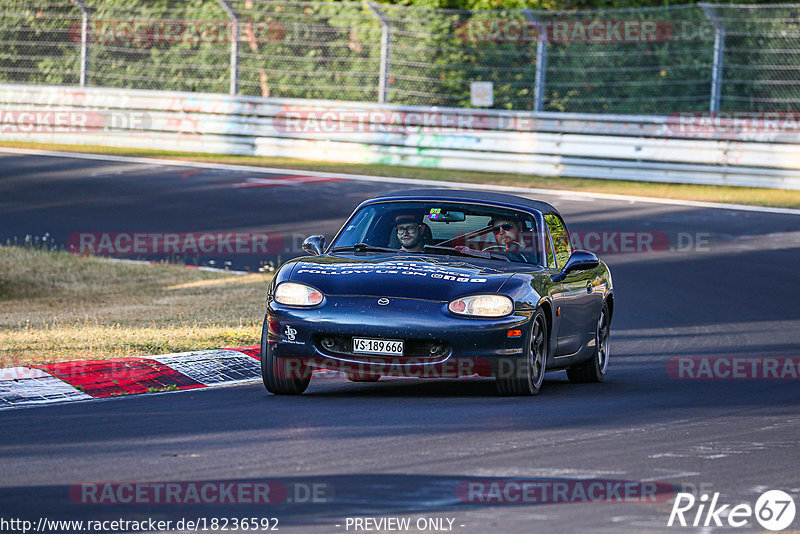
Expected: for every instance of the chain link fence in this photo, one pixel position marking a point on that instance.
(632, 61)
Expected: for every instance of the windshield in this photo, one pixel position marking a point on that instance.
(431, 227)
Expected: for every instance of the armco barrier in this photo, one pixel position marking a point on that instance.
(627, 147)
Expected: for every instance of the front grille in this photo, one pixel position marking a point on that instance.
(418, 350)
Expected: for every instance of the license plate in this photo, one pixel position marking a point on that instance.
(391, 347)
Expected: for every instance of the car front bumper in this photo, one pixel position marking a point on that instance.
(437, 342)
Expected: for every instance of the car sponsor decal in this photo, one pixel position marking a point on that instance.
(290, 333)
(390, 268)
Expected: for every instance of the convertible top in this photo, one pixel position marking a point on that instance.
(462, 195)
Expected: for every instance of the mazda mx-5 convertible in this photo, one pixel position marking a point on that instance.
(440, 283)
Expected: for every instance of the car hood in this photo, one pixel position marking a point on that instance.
(420, 277)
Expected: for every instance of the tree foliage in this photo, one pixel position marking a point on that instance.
(332, 50)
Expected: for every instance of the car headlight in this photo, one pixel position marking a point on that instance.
(295, 294)
(482, 305)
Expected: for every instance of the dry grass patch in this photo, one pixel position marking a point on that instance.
(56, 306)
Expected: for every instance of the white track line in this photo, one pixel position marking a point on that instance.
(415, 181)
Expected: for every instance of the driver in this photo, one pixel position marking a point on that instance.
(507, 233)
(410, 232)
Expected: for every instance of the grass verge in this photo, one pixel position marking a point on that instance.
(56, 306)
(709, 193)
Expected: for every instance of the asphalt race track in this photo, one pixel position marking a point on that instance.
(716, 284)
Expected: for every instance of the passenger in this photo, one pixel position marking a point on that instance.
(507, 233)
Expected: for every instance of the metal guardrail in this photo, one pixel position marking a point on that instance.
(626, 147)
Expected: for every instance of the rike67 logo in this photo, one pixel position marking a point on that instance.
(774, 510)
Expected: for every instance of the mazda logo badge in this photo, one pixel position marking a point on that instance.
(383, 301)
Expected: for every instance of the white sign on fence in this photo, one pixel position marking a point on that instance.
(482, 94)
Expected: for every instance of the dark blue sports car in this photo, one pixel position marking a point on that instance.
(441, 283)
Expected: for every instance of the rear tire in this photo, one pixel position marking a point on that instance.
(594, 369)
(362, 377)
(526, 374)
(281, 376)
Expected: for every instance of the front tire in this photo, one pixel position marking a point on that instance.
(527, 373)
(594, 369)
(281, 376)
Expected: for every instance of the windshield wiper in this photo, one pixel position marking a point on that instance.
(363, 247)
(466, 252)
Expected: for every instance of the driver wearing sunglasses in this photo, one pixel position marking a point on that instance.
(410, 232)
(507, 233)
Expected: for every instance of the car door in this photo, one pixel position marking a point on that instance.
(574, 295)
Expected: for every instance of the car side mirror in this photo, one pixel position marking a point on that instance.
(580, 260)
(314, 244)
